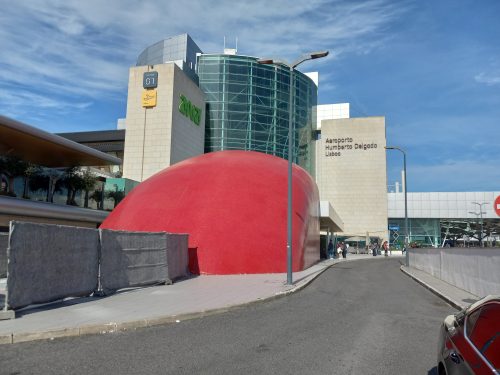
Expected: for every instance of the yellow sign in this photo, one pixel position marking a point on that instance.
(149, 98)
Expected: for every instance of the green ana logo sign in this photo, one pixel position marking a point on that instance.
(188, 109)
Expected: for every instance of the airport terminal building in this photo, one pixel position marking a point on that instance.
(183, 103)
(241, 104)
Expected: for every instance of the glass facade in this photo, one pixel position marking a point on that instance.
(424, 232)
(248, 107)
(180, 49)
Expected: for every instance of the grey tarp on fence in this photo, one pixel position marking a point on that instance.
(177, 255)
(131, 259)
(4, 241)
(50, 262)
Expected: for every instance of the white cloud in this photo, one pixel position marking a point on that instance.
(488, 79)
(20, 98)
(75, 51)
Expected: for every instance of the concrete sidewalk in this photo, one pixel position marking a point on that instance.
(454, 296)
(142, 307)
(185, 299)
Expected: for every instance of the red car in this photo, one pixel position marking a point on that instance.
(469, 341)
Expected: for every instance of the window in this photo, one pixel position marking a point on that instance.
(483, 330)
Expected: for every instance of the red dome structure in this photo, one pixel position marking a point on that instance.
(233, 205)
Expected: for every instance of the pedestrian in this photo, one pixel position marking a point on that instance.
(345, 246)
(385, 246)
(339, 249)
(330, 249)
(374, 247)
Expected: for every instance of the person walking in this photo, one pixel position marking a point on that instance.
(330, 250)
(374, 247)
(345, 246)
(385, 246)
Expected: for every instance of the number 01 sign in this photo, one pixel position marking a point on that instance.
(150, 80)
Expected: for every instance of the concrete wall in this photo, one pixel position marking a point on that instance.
(159, 136)
(4, 242)
(50, 262)
(428, 260)
(351, 173)
(475, 270)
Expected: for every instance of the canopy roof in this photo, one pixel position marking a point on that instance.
(47, 149)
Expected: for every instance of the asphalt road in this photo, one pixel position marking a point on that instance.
(363, 317)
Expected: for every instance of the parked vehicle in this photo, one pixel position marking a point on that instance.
(469, 341)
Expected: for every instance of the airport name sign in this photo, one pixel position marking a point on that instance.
(335, 146)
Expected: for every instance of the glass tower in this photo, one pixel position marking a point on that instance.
(248, 107)
(180, 49)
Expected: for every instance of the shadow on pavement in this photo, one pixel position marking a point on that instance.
(70, 301)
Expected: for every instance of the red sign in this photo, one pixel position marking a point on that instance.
(496, 205)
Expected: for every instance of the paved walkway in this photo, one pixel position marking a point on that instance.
(186, 299)
(456, 297)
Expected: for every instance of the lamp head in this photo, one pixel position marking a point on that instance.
(318, 54)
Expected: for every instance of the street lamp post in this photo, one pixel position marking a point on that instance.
(406, 198)
(481, 222)
(309, 56)
(477, 218)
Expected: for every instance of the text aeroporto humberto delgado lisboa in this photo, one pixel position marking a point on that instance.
(335, 145)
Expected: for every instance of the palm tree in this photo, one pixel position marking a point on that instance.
(30, 171)
(12, 167)
(89, 181)
(39, 182)
(97, 196)
(73, 182)
(55, 177)
(116, 196)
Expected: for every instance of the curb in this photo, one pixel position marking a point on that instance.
(435, 291)
(113, 327)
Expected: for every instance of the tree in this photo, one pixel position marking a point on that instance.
(39, 182)
(89, 181)
(97, 197)
(30, 171)
(13, 167)
(55, 177)
(116, 196)
(73, 182)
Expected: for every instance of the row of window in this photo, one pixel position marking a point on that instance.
(248, 106)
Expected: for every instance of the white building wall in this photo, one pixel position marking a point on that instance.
(443, 205)
(160, 136)
(331, 112)
(353, 178)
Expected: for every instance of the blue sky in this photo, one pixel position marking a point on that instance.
(431, 67)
